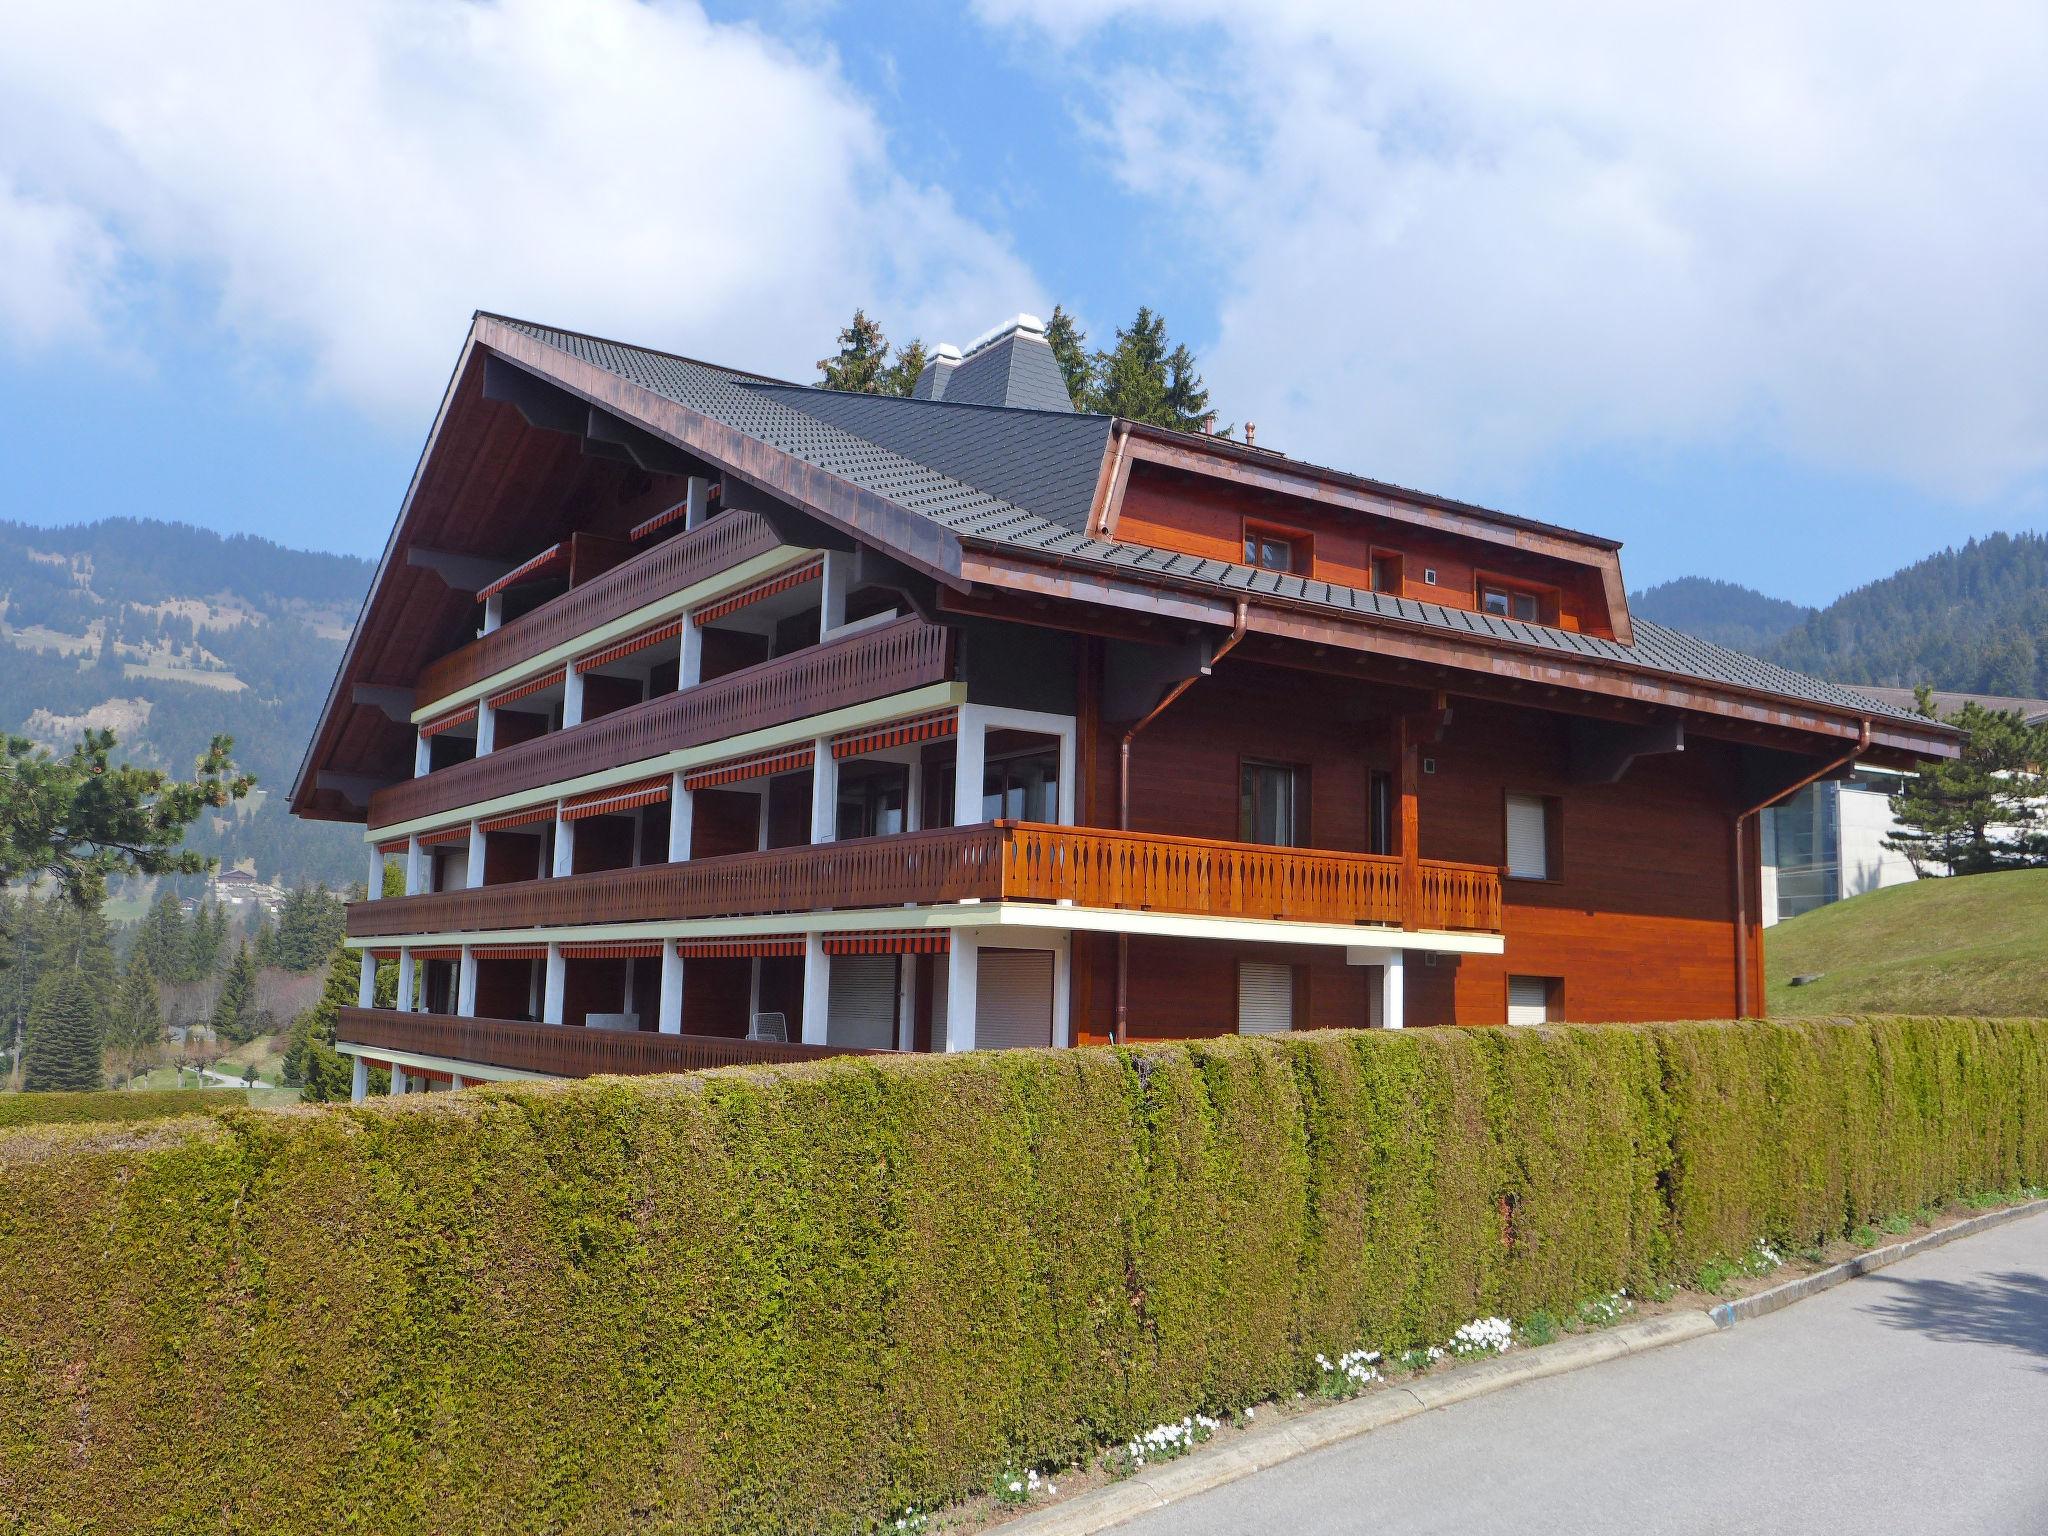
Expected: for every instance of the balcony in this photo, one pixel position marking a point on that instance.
(891, 658)
(996, 861)
(669, 567)
(558, 1050)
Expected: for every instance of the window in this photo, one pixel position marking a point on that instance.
(871, 797)
(1265, 998)
(1532, 837)
(1380, 813)
(1511, 603)
(1268, 804)
(1272, 551)
(1533, 999)
(1386, 573)
(1025, 787)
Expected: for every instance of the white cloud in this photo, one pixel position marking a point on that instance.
(341, 185)
(1456, 241)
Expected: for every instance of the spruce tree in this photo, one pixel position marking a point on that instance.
(234, 1016)
(1982, 810)
(1069, 349)
(863, 354)
(135, 1026)
(321, 1073)
(162, 941)
(64, 1039)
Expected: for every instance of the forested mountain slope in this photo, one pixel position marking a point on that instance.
(167, 634)
(1720, 611)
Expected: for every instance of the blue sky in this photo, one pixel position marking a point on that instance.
(1765, 298)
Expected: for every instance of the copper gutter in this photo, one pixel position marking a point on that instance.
(1742, 883)
(1123, 798)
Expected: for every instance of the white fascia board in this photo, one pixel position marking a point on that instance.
(744, 574)
(855, 717)
(471, 1069)
(1009, 915)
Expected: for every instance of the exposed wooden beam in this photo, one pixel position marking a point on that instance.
(460, 572)
(1601, 751)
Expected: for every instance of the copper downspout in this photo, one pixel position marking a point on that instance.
(1742, 885)
(1123, 801)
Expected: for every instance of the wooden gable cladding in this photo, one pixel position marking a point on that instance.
(1192, 514)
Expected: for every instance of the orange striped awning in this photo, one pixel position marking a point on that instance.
(660, 520)
(381, 955)
(525, 818)
(629, 645)
(760, 765)
(609, 802)
(437, 952)
(449, 721)
(539, 565)
(440, 837)
(940, 722)
(741, 949)
(396, 845)
(531, 686)
(633, 949)
(510, 951)
(910, 941)
(809, 570)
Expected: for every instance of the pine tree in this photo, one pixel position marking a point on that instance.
(1069, 342)
(64, 1038)
(1141, 378)
(234, 1018)
(322, 1073)
(1982, 810)
(863, 355)
(207, 939)
(135, 1026)
(161, 940)
(900, 377)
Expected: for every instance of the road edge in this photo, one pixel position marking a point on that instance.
(1268, 1446)
(1762, 1303)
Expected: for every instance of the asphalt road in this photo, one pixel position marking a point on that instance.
(1914, 1399)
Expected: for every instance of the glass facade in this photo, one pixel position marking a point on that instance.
(1803, 841)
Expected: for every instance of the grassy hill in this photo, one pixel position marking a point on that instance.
(165, 634)
(1976, 945)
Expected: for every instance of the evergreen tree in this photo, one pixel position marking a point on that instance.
(262, 939)
(308, 928)
(64, 1037)
(900, 377)
(861, 360)
(235, 1018)
(323, 1074)
(208, 938)
(136, 1025)
(161, 941)
(1982, 810)
(1069, 342)
(1129, 379)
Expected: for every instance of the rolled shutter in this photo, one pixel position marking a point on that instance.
(1528, 837)
(861, 1002)
(1013, 1004)
(1265, 998)
(1528, 999)
(942, 978)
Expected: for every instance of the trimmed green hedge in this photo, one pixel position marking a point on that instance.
(796, 1300)
(115, 1104)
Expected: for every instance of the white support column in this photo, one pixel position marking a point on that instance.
(1063, 993)
(494, 612)
(405, 975)
(572, 697)
(474, 871)
(824, 791)
(373, 887)
(832, 601)
(761, 831)
(963, 985)
(1392, 989)
(418, 867)
(555, 994)
(565, 844)
(682, 816)
(970, 755)
(669, 1016)
(753, 991)
(366, 981)
(465, 984)
(629, 1002)
(913, 794)
(423, 756)
(906, 1002)
(690, 666)
(696, 501)
(401, 1080)
(817, 990)
(359, 1081)
(457, 1082)
(486, 730)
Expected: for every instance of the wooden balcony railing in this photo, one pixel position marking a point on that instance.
(563, 1050)
(671, 566)
(1001, 860)
(891, 658)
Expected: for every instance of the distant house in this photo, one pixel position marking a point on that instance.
(715, 719)
(239, 887)
(1827, 842)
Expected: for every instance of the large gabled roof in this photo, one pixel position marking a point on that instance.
(1026, 479)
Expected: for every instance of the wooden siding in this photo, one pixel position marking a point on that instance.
(720, 544)
(996, 861)
(892, 658)
(562, 1050)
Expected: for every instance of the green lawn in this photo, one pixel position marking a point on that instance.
(1976, 945)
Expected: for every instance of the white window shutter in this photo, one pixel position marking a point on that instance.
(1528, 837)
(1265, 998)
(861, 1002)
(1528, 999)
(1013, 1003)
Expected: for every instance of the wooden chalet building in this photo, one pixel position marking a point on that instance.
(717, 719)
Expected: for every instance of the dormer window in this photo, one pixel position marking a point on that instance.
(1270, 551)
(1511, 603)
